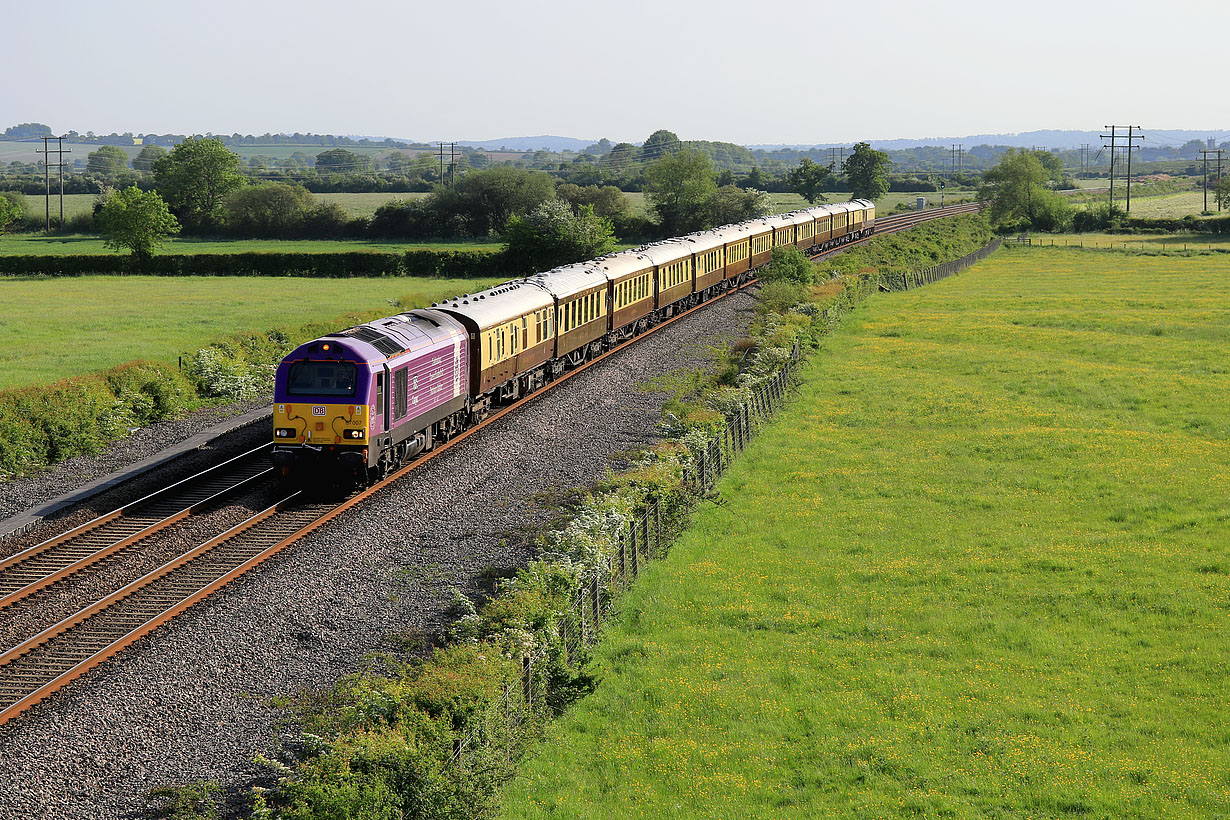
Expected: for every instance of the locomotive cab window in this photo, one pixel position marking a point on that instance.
(322, 379)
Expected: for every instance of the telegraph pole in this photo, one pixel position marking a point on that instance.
(60, 152)
(1111, 136)
(47, 152)
(1131, 147)
(47, 188)
(441, 163)
(1204, 153)
(452, 163)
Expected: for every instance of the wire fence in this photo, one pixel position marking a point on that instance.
(1157, 246)
(914, 279)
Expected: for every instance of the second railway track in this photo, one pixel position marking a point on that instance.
(43, 663)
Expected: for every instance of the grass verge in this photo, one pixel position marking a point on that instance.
(978, 568)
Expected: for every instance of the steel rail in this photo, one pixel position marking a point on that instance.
(48, 661)
(38, 567)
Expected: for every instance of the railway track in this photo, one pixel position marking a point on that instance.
(38, 567)
(63, 652)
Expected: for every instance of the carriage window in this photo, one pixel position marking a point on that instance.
(322, 379)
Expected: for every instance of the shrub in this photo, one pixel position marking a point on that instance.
(789, 264)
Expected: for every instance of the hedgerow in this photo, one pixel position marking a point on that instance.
(419, 262)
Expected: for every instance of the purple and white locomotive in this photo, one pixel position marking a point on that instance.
(355, 404)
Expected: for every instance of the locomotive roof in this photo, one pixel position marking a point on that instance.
(391, 336)
(567, 280)
(497, 305)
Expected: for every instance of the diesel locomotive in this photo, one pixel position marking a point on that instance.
(352, 406)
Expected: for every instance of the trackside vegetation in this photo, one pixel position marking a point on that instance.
(976, 568)
(435, 736)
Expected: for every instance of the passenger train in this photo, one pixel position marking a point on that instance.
(352, 406)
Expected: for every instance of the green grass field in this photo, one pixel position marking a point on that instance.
(364, 204)
(36, 244)
(51, 329)
(977, 568)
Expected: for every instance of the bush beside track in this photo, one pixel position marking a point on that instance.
(388, 743)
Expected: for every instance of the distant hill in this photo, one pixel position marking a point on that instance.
(1026, 139)
(543, 143)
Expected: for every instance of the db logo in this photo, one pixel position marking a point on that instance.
(318, 411)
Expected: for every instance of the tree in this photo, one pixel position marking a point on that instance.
(789, 264)
(145, 160)
(12, 209)
(867, 171)
(730, 204)
(680, 187)
(135, 220)
(1051, 163)
(553, 234)
(1191, 149)
(274, 210)
(27, 130)
(107, 161)
(1221, 194)
(341, 161)
(195, 178)
(606, 200)
(660, 143)
(1016, 189)
(484, 201)
(808, 180)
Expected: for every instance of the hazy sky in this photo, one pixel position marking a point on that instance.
(760, 72)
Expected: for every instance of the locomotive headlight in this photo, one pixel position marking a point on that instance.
(354, 434)
(284, 432)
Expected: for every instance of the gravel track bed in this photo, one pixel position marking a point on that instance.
(21, 494)
(192, 701)
(49, 606)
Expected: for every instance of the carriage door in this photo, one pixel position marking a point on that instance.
(382, 399)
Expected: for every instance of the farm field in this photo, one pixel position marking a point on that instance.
(976, 568)
(36, 244)
(52, 329)
(1170, 205)
(363, 204)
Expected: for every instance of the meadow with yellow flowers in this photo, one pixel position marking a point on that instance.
(979, 567)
